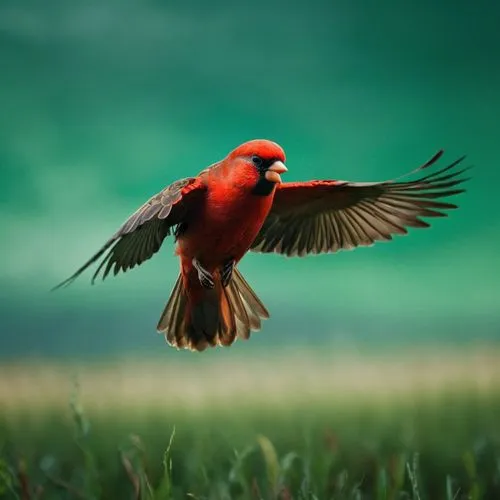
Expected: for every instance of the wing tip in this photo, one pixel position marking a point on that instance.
(63, 284)
(432, 160)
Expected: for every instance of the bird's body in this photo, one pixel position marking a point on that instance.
(228, 220)
(226, 224)
(239, 204)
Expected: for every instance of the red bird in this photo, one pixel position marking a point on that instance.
(240, 204)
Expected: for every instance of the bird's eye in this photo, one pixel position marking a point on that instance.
(257, 160)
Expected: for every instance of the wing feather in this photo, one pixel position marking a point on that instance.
(142, 234)
(327, 216)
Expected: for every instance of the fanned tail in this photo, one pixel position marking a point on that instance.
(217, 317)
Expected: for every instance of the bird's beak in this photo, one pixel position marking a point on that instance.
(273, 172)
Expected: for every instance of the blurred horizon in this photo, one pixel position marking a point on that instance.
(104, 104)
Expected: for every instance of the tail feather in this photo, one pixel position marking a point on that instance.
(204, 320)
(249, 295)
(240, 311)
(227, 324)
(172, 319)
(217, 318)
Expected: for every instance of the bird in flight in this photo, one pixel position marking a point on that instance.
(240, 204)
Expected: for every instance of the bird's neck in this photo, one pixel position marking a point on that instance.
(263, 187)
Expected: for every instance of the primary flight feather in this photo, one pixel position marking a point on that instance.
(240, 204)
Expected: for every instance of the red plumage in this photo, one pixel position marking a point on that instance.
(240, 204)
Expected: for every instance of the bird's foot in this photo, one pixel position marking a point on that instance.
(227, 272)
(204, 276)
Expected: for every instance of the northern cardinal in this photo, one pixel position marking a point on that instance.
(240, 204)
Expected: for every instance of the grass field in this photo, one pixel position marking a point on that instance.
(419, 426)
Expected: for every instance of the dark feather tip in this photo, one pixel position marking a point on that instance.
(433, 160)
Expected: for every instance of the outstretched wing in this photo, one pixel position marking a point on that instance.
(327, 216)
(142, 234)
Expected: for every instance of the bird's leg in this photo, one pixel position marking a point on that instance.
(227, 272)
(204, 276)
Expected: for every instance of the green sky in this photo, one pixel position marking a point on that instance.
(105, 103)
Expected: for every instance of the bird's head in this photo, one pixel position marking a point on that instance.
(263, 162)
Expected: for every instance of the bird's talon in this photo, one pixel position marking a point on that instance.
(204, 276)
(227, 273)
(206, 282)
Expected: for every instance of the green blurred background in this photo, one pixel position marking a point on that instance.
(104, 103)
(371, 359)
